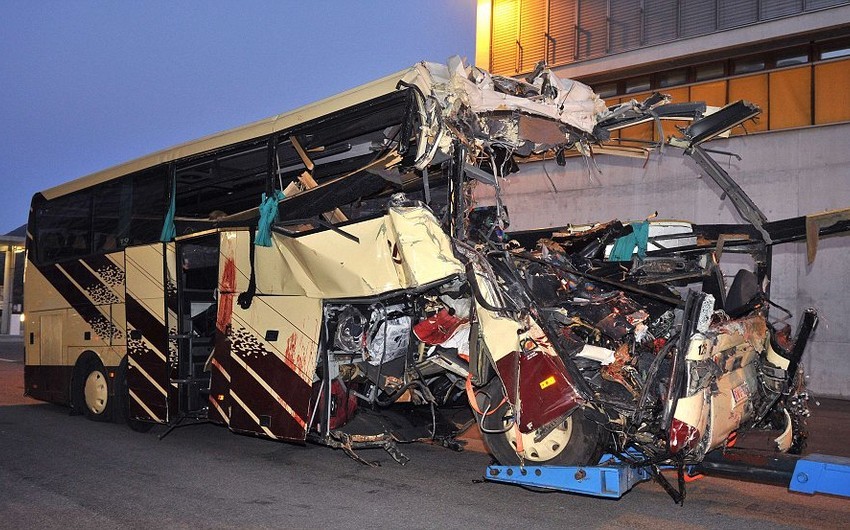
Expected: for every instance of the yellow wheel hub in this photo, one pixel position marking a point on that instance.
(96, 392)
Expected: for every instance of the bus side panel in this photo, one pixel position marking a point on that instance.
(273, 355)
(46, 377)
(72, 308)
(147, 335)
(265, 355)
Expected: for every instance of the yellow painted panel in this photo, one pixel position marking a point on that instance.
(50, 338)
(791, 98)
(832, 98)
(752, 88)
(145, 277)
(712, 92)
(329, 265)
(426, 252)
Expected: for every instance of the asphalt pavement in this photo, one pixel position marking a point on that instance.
(62, 471)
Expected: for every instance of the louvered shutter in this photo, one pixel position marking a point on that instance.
(733, 13)
(592, 28)
(624, 26)
(532, 33)
(780, 8)
(697, 17)
(503, 47)
(819, 4)
(562, 35)
(659, 21)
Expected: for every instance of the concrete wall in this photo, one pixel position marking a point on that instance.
(787, 173)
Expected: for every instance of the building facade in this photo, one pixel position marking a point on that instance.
(791, 57)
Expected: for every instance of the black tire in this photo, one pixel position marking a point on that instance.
(577, 442)
(122, 401)
(92, 394)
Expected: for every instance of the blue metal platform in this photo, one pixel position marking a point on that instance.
(610, 479)
(822, 474)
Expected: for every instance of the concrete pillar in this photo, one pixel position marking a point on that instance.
(8, 280)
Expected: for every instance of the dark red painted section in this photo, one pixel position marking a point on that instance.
(49, 383)
(219, 384)
(545, 391)
(279, 377)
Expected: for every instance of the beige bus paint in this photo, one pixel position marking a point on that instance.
(109, 355)
(694, 411)
(774, 358)
(46, 346)
(730, 402)
(145, 284)
(501, 334)
(59, 332)
(297, 320)
(145, 278)
(785, 440)
(328, 265)
(425, 250)
(40, 295)
(734, 347)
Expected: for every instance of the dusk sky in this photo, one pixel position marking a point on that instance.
(86, 85)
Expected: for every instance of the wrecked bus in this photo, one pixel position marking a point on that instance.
(326, 275)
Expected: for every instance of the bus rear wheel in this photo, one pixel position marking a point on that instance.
(92, 390)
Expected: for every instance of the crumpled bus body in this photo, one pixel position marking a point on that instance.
(563, 344)
(368, 299)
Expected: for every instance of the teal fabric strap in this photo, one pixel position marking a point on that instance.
(168, 229)
(268, 215)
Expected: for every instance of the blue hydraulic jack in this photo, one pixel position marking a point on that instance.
(612, 478)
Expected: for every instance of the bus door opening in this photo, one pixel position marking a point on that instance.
(197, 279)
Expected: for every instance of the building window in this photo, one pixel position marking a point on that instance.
(705, 72)
(637, 84)
(606, 90)
(672, 78)
(747, 65)
(791, 59)
(834, 51)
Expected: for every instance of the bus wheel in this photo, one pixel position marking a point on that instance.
(576, 442)
(122, 401)
(91, 390)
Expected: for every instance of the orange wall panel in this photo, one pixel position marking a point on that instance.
(832, 92)
(791, 98)
(713, 93)
(752, 88)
